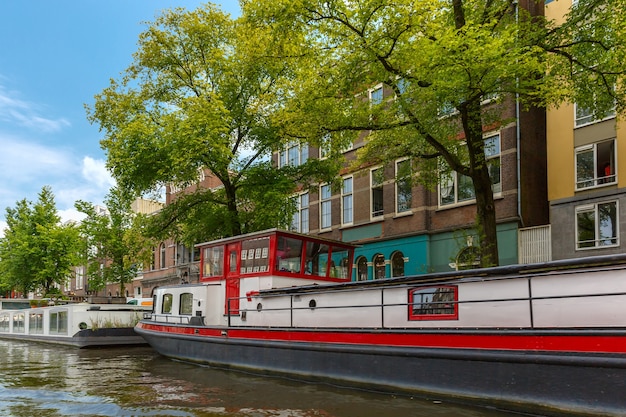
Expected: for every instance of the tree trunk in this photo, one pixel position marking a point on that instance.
(479, 172)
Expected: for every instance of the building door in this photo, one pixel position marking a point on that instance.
(232, 279)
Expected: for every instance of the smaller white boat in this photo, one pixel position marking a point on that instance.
(80, 325)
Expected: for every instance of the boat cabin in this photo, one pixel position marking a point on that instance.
(232, 270)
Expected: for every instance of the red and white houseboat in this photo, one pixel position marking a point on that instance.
(546, 338)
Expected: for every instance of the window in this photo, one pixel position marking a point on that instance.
(162, 256)
(377, 192)
(300, 220)
(186, 303)
(434, 303)
(5, 322)
(376, 95)
(585, 116)
(18, 323)
(596, 225)
(255, 255)
(58, 322)
(361, 269)
(294, 155)
(316, 259)
(403, 186)
(35, 323)
(397, 264)
(213, 262)
(379, 266)
(152, 261)
(468, 258)
(347, 208)
(166, 308)
(595, 164)
(455, 188)
(325, 207)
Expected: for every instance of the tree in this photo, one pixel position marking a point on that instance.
(37, 251)
(439, 55)
(114, 248)
(199, 95)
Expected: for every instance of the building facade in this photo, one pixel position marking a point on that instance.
(406, 229)
(586, 187)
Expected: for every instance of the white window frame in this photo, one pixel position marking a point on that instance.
(397, 192)
(300, 151)
(598, 241)
(598, 179)
(374, 90)
(326, 218)
(300, 220)
(347, 201)
(377, 214)
(587, 117)
(453, 176)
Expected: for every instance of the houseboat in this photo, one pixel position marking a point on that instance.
(544, 338)
(80, 325)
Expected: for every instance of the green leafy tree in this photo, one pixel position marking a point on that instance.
(443, 60)
(200, 95)
(114, 248)
(37, 252)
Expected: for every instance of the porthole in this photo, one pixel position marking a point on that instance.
(82, 325)
(312, 304)
(259, 307)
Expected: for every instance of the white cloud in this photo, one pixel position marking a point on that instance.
(95, 172)
(25, 114)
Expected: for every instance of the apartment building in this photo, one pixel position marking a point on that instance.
(586, 182)
(406, 229)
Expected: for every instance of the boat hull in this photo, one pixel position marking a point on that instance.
(543, 381)
(108, 337)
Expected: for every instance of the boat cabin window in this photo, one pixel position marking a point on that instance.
(213, 262)
(35, 323)
(58, 322)
(166, 307)
(434, 303)
(316, 258)
(255, 255)
(18, 323)
(4, 323)
(186, 303)
(289, 255)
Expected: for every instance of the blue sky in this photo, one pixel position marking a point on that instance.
(55, 56)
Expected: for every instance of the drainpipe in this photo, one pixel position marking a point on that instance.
(518, 135)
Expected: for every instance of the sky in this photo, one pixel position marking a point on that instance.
(55, 56)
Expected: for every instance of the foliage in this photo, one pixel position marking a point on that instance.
(449, 65)
(37, 252)
(113, 246)
(200, 95)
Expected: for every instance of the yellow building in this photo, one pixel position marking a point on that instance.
(586, 188)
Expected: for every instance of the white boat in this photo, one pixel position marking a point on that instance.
(81, 325)
(545, 338)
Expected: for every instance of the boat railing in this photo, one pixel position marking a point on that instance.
(169, 318)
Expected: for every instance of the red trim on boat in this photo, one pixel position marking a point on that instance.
(481, 341)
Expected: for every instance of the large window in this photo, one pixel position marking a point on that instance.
(255, 255)
(58, 322)
(433, 303)
(213, 262)
(597, 225)
(325, 207)
(404, 194)
(585, 116)
(300, 220)
(377, 178)
(294, 155)
(455, 188)
(595, 164)
(379, 266)
(347, 208)
(166, 308)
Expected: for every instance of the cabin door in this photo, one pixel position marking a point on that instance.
(232, 279)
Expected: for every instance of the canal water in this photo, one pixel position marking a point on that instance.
(51, 381)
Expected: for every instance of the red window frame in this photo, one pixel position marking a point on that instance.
(443, 309)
